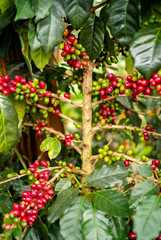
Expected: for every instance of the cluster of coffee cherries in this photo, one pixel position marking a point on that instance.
(68, 138)
(145, 136)
(115, 85)
(155, 81)
(73, 52)
(68, 170)
(106, 113)
(32, 89)
(39, 127)
(153, 20)
(105, 57)
(130, 87)
(109, 156)
(25, 213)
(155, 163)
(76, 77)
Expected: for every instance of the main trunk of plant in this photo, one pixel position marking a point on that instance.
(87, 121)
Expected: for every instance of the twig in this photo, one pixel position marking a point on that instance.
(66, 100)
(23, 234)
(81, 172)
(56, 175)
(121, 155)
(25, 174)
(109, 98)
(123, 127)
(95, 163)
(98, 6)
(128, 190)
(128, 158)
(51, 130)
(139, 178)
(114, 134)
(96, 64)
(139, 112)
(60, 114)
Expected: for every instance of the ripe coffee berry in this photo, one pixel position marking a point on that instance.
(126, 163)
(44, 164)
(66, 95)
(71, 165)
(57, 111)
(68, 142)
(132, 235)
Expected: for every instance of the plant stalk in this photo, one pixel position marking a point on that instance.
(87, 122)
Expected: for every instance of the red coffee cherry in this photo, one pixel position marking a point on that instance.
(66, 95)
(57, 111)
(44, 164)
(77, 64)
(42, 84)
(68, 143)
(126, 163)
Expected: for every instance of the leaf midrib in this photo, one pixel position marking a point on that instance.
(109, 201)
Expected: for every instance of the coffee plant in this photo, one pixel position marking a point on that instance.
(99, 178)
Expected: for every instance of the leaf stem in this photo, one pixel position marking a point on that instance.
(20, 158)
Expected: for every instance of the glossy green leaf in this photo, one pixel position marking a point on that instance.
(145, 170)
(70, 222)
(55, 148)
(152, 103)
(147, 219)
(63, 201)
(62, 185)
(112, 202)
(118, 227)
(20, 109)
(125, 101)
(129, 64)
(37, 52)
(24, 9)
(134, 119)
(145, 50)
(45, 145)
(8, 124)
(5, 4)
(95, 225)
(54, 231)
(77, 11)
(108, 42)
(5, 18)
(107, 176)
(31, 234)
(41, 229)
(23, 34)
(92, 36)
(5, 204)
(141, 192)
(51, 144)
(41, 8)
(123, 19)
(17, 233)
(50, 31)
